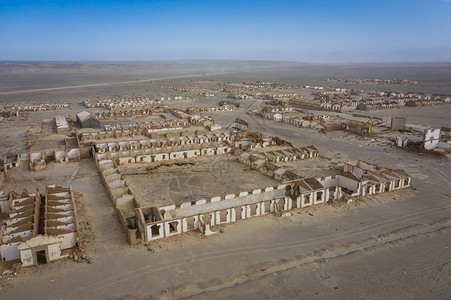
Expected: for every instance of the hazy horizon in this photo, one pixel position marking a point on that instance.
(351, 31)
(362, 63)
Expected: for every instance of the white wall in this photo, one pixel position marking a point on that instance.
(9, 251)
(347, 183)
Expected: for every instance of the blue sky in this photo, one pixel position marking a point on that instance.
(310, 31)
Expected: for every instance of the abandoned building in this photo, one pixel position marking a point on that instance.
(87, 120)
(362, 128)
(41, 228)
(22, 223)
(358, 179)
(395, 123)
(61, 151)
(240, 124)
(38, 228)
(62, 127)
(147, 223)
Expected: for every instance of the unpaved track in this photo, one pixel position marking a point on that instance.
(102, 84)
(125, 278)
(356, 272)
(347, 249)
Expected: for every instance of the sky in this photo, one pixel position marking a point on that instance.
(343, 31)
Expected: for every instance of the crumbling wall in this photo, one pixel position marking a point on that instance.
(348, 183)
(2, 177)
(333, 127)
(431, 138)
(60, 215)
(203, 214)
(22, 223)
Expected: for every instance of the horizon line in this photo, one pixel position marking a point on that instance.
(225, 60)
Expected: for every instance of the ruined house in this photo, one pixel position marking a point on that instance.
(358, 127)
(22, 223)
(359, 178)
(87, 120)
(38, 230)
(62, 127)
(240, 124)
(394, 123)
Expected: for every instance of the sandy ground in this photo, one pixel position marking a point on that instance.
(97, 84)
(311, 167)
(355, 272)
(201, 179)
(388, 246)
(437, 116)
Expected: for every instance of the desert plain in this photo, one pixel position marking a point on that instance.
(393, 245)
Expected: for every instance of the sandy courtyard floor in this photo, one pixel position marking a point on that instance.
(194, 180)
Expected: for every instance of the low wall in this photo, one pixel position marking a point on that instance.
(2, 177)
(203, 213)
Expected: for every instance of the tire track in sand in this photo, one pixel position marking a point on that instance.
(148, 269)
(103, 84)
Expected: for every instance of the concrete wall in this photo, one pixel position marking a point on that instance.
(9, 251)
(27, 258)
(203, 213)
(431, 138)
(348, 183)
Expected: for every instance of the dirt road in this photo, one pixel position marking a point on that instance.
(101, 84)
